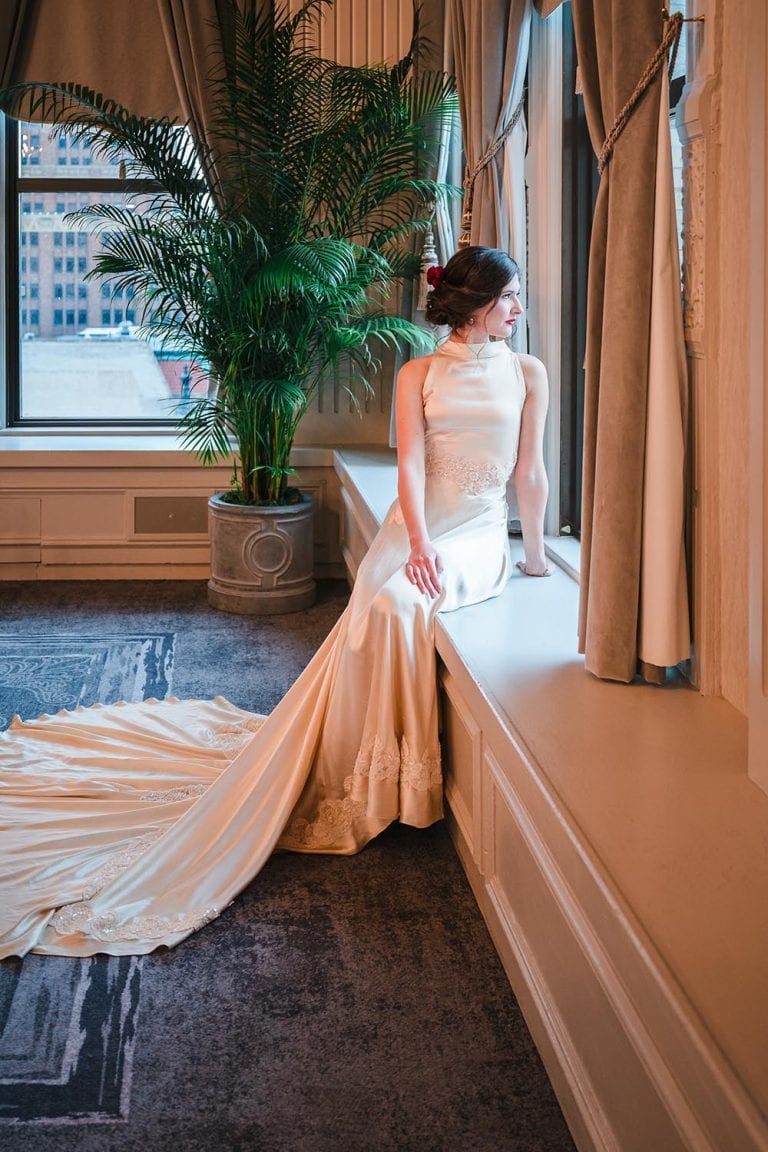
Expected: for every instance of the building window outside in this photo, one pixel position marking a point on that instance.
(91, 342)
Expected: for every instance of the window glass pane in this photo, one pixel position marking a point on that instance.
(86, 362)
(58, 157)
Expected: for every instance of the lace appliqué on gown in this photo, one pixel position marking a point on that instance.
(375, 761)
(472, 476)
(168, 795)
(334, 819)
(380, 761)
(80, 916)
(229, 736)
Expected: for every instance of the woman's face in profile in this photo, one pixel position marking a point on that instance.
(500, 317)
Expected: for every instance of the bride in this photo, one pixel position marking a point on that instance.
(127, 826)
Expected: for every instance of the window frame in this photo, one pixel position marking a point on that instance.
(13, 185)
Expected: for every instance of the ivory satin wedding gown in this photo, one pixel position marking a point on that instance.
(127, 826)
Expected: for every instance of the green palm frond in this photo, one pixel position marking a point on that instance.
(268, 253)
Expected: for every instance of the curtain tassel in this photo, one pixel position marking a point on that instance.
(428, 259)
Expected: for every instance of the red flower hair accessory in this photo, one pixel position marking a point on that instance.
(435, 275)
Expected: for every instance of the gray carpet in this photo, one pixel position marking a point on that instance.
(339, 1005)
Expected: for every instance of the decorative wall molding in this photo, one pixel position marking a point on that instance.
(70, 515)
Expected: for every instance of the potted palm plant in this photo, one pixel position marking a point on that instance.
(268, 254)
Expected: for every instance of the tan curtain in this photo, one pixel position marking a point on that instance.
(117, 49)
(15, 15)
(633, 591)
(195, 34)
(490, 51)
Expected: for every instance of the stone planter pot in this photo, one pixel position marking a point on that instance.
(262, 558)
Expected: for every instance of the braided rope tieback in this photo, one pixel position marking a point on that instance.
(671, 39)
(472, 175)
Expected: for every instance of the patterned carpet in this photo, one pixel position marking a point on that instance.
(47, 672)
(339, 1005)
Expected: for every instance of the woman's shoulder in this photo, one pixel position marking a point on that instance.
(415, 371)
(533, 370)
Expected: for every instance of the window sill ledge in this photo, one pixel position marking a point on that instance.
(92, 448)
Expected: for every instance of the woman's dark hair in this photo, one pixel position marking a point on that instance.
(472, 278)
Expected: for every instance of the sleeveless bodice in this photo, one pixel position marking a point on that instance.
(473, 400)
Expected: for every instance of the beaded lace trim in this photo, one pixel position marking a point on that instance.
(380, 761)
(183, 792)
(80, 917)
(232, 735)
(334, 819)
(376, 761)
(472, 476)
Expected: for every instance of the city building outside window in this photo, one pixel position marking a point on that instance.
(75, 364)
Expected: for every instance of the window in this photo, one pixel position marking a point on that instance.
(65, 178)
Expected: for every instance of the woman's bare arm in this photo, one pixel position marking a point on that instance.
(423, 567)
(531, 483)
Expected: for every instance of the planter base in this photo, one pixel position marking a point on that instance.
(260, 603)
(261, 558)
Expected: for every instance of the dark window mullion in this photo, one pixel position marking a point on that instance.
(11, 273)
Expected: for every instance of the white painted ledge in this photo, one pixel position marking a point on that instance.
(99, 449)
(652, 846)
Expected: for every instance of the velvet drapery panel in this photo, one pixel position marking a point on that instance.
(175, 46)
(116, 49)
(14, 16)
(490, 53)
(633, 614)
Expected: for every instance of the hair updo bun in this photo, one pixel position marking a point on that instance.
(471, 279)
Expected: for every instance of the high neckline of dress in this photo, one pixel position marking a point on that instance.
(480, 351)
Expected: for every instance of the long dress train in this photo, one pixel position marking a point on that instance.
(127, 826)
